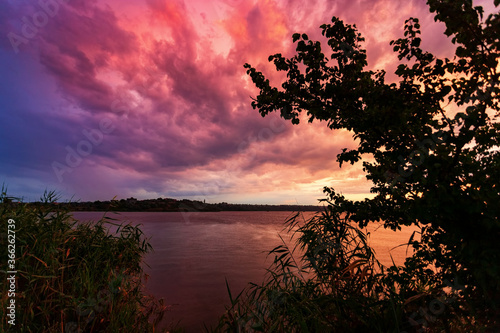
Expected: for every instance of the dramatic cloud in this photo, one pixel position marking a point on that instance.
(150, 98)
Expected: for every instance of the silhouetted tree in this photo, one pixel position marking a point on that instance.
(433, 137)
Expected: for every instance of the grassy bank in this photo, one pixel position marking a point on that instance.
(72, 276)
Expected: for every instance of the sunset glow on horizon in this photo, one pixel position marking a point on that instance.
(150, 99)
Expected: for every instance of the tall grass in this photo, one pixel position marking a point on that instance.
(335, 277)
(74, 276)
(334, 283)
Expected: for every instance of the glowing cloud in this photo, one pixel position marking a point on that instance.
(146, 99)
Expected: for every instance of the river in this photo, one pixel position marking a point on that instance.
(195, 253)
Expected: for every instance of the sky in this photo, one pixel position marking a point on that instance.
(149, 98)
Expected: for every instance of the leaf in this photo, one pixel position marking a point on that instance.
(295, 37)
(461, 52)
(413, 298)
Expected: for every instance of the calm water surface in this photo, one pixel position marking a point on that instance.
(194, 254)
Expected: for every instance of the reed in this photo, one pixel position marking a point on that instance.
(331, 281)
(76, 276)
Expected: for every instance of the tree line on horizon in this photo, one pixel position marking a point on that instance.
(172, 205)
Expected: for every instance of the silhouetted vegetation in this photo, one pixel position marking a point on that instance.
(73, 276)
(434, 160)
(167, 205)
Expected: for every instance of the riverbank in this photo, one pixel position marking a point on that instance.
(170, 205)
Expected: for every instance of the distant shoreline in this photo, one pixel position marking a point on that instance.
(171, 205)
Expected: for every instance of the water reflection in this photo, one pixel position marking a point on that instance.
(194, 255)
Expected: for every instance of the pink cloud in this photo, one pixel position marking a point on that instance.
(169, 75)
